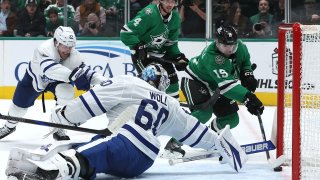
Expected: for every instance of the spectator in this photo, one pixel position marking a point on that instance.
(134, 7)
(221, 11)
(87, 7)
(238, 20)
(114, 15)
(31, 21)
(262, 21)
(309, 14)
(60, 7)
(53, 21)
(7, 19)
(193, 18)
(92, 27)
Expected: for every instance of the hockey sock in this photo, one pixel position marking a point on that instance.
(232, 120)
(203, 115)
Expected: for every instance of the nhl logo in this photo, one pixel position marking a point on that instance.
(219, 59)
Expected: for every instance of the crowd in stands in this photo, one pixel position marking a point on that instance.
(252, 18)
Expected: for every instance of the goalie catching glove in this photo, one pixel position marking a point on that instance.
(253, 104)
(81, 77)
(248, 80)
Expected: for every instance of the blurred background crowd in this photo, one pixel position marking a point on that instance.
(104, 18)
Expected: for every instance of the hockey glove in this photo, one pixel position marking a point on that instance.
(182, 62)
(253, 104)
(248, 81)
(79, 77)
(140, 52)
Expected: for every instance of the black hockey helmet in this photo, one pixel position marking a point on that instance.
(226, 35)
(156, 76)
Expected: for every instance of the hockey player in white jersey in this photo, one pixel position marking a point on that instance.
(56, 65)
(133, 150)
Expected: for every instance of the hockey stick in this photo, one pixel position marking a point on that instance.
(278, 161)
(161, 59)
(105, 131)
(213, 99)
(248, 148)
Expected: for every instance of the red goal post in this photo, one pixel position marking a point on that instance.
(298, 102)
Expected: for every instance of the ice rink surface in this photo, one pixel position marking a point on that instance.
(248, 131)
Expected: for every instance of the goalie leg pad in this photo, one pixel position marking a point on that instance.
(66, 162)
(17, 162)
(230, 150)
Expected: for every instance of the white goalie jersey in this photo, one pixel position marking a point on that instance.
(155, 113)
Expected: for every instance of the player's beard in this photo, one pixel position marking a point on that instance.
(64, 56)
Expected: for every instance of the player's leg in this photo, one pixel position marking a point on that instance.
(225, 111)
(116, 156)
(23, 98)
(64, 93)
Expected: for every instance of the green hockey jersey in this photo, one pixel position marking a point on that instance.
(149, 28)
(212, 67)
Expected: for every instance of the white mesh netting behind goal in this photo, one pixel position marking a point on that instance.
(302, 58)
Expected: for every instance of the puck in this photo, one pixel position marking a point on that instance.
(277, 169)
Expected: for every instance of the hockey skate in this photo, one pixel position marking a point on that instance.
(60, 135)
(173, 150)
(5, 131)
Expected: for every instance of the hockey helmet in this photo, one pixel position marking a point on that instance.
(156, 76)
(65, 35)
(226, 35)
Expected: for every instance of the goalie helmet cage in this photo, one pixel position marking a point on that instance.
(298, 106)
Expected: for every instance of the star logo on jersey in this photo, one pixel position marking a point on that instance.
(158, 41)
(148, 11)
(219, 59)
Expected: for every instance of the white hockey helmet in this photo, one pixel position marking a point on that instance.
(156, 76)
(65, 35)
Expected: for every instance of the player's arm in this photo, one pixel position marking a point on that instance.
(246, 70)
(98, 100)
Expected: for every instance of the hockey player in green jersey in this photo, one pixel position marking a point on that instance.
(221, 65)
(154, 33)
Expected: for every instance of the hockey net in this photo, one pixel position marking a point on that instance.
(298, 107)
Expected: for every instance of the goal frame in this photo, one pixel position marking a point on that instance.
(296, 94)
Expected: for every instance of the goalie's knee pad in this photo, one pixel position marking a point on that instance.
(64, 93)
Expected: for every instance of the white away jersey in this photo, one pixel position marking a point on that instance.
(46, 66)
(156, 113)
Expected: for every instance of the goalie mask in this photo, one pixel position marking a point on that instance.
(156, 76)
(227, 40)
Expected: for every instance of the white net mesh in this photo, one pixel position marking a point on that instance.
(310, 101)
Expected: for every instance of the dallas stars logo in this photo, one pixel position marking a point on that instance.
(158, 40)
